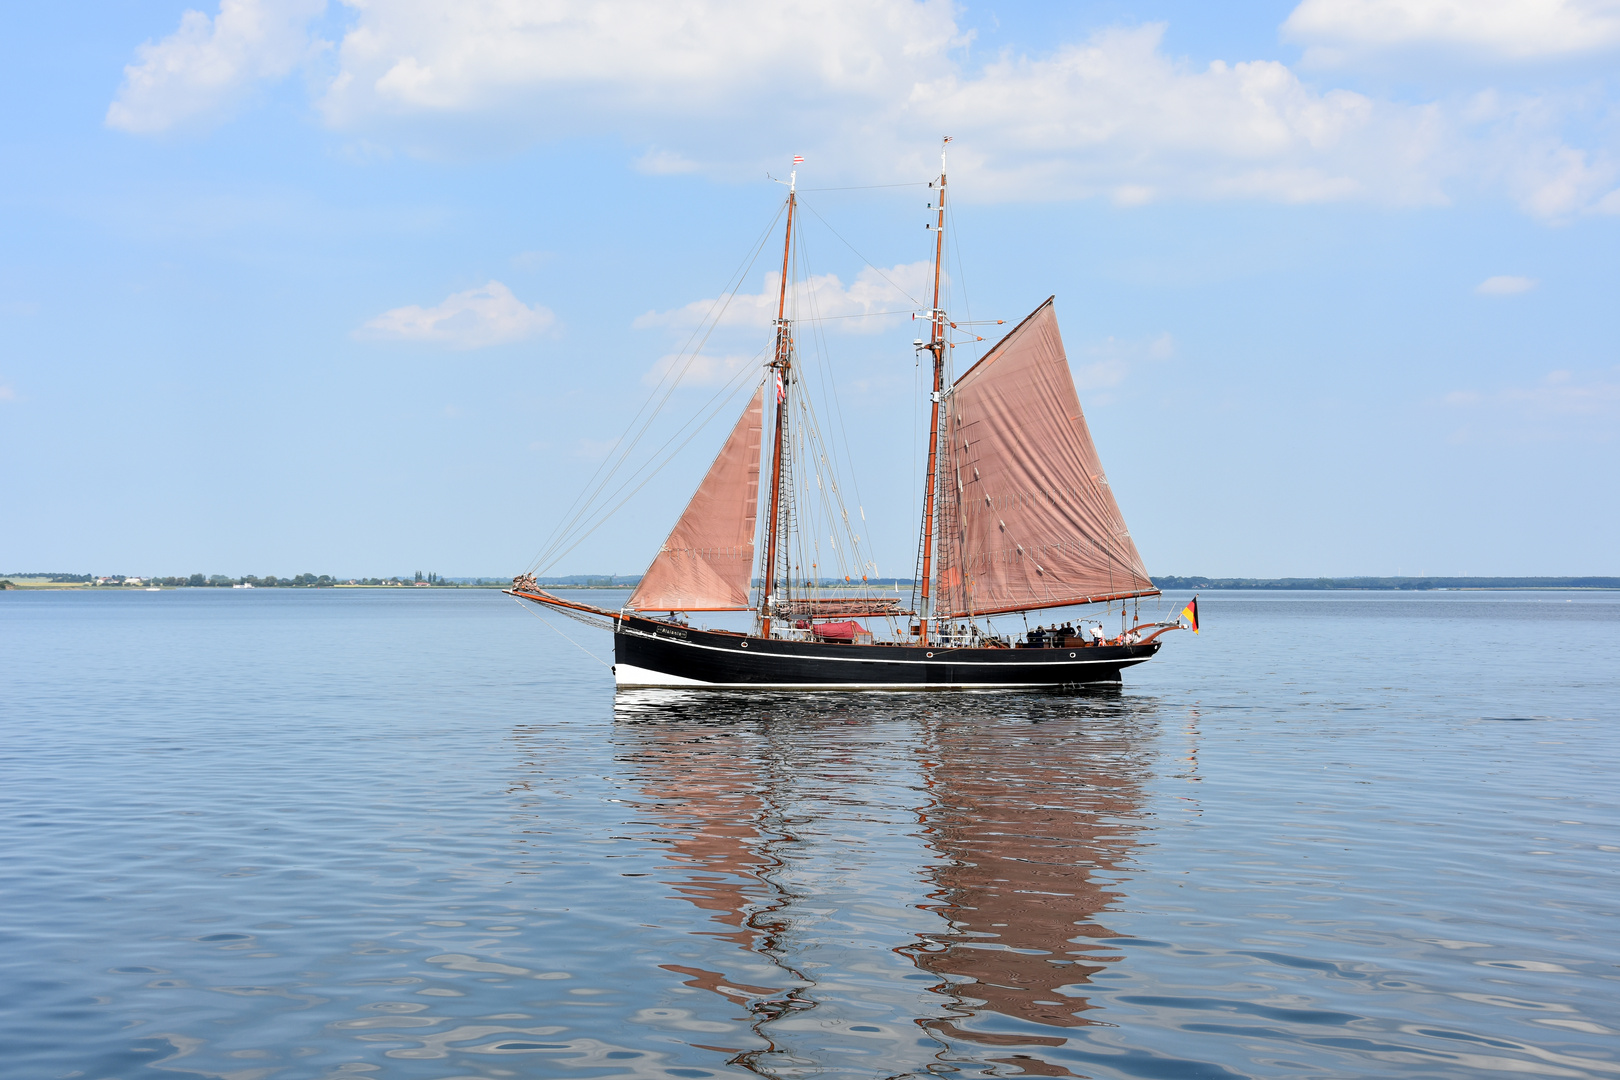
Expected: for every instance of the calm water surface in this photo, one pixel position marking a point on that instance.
(415, 834)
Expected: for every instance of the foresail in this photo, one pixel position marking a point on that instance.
(1029, 520)
(706, 563)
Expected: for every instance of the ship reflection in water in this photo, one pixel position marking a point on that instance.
(919, 887)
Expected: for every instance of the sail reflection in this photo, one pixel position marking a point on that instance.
(1019, 811)
(1036, 819)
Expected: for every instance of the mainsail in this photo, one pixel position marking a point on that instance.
(706, 562)
(1028, 520)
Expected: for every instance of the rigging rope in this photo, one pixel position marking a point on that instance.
(526, 606)
(583, 503)
(860, 315)
(867, 187)
(830, 391)
(858, 255)
(697, 427)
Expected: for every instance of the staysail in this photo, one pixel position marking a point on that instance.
(706, 562)
(1028, 520)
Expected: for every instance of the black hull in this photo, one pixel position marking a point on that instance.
(649, 653)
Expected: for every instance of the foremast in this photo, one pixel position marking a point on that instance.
(781, 366)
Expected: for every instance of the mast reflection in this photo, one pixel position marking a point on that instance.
(712, 803)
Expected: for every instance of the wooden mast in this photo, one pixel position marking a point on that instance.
(781, 365)
(937, 346)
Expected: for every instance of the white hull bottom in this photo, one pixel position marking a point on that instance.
(630, 677)
(665, 656)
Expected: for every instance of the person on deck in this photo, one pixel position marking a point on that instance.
(1065, 632)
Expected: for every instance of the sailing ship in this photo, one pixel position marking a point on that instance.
(1017, 517)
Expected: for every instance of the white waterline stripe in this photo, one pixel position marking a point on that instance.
(657, 680)
(877, 660)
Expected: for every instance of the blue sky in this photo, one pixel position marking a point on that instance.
(354, 288)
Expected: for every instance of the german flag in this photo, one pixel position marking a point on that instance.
(1190, 613)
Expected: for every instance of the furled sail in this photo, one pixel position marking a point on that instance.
(706, 563)
(1028, 520)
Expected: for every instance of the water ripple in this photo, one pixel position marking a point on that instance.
(343, 835)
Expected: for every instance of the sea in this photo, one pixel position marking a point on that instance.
(415, 833)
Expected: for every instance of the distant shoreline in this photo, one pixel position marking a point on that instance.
(1389, 584)
(36, 581)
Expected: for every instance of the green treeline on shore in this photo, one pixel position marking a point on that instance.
(1395, 583)
(224, 581)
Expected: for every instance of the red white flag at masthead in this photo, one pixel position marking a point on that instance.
(798, 159)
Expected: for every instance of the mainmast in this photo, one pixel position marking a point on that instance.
(782, 365)
(936, 345)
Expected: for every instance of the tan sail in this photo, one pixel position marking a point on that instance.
(1029, 520)
(706, 563)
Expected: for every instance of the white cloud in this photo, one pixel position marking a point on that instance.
(1116, 116)
(874, 82)
(1563, 406)
(1341, 31)
(7, 393)
(1561, 181)
(1562, 394)
(821, 297)
(700, 370)
(702, 86)
(649, 57)
(490, 315)
(1107, 363)
(198, 72)
(1505, 285)
(1530, 161)
(657, 162)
